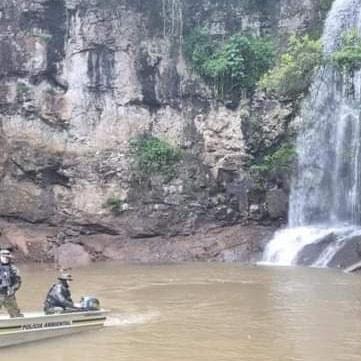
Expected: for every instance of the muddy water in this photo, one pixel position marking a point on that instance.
(202, 312)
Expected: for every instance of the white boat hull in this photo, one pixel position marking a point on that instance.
(39, 326)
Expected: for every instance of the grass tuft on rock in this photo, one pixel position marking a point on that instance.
(153, 156)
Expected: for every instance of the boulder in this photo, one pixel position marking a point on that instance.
(70, 255)
(310, 253)
(349, 254)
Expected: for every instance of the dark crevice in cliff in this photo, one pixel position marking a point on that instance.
(12, 73)
(101, 61)
(19, 218)
(9, 58)
(151, 14)
(46, 176)
(52, 21)
(51, 176)
(60, 126)
(56, 20)
(147, 71)
(96, 228)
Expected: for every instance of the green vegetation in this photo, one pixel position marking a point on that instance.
(231, 66)
(277, 161)
(198, 48)
(114, 204)
(153, 156)
(237, 64)
(22, 90)
(348, 56)
(241, 62)
(293, 75)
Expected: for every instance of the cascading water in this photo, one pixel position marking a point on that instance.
(172, 13)
(325, 208)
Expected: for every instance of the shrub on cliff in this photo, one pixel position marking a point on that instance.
(294, 72)
(153, 156)
(278, 161)
(232, 66)
(115, 205)
(198, 48)
(348, 56)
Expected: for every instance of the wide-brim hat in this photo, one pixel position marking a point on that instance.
(6, 253)
(65, 277)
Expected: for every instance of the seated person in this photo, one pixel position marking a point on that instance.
(59, 298)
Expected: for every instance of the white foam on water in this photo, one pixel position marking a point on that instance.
(286, 244)
(130, 319)
(282, 250)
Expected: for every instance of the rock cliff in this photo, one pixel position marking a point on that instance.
(81, 78)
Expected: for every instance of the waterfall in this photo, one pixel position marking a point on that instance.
(325, 197)
(172, 13)
(173, 23)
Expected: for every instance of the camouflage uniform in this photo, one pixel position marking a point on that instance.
(9, 302)
(10, 282)
(59, 298)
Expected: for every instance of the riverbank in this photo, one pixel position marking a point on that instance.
(46, 244)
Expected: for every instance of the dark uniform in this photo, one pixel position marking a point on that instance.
(59, 298)
(10, 282)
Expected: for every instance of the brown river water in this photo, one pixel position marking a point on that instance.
(205, 312)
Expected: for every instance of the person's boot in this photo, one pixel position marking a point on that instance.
(17, 315)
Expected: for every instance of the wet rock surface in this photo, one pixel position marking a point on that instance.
(311, 253)
(349, 253)
(71, 248)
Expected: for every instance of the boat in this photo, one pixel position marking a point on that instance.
(35, 326)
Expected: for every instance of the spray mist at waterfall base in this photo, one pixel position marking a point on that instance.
(315, 246)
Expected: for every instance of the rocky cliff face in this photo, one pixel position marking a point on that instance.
(80, 78)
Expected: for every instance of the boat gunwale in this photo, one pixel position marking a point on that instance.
(85, 317)
(32, 315)
(63, 327)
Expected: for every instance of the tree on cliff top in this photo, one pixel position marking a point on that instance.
(293, 74)
(232, 66)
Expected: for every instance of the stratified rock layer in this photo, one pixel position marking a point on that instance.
(80, 78)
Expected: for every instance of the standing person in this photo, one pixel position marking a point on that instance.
(59, 298)
(10, 282)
